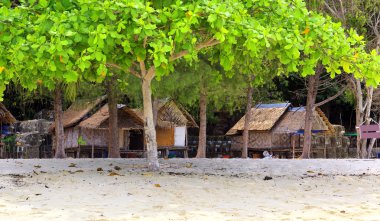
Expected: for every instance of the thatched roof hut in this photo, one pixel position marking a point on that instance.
(170, 114)
(6, 117)
(172, 123)
(264, 117)
(294, 121)
(273, 125)
(127, 119)
(79, 110)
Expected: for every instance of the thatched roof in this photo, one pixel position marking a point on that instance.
(294, 120)
(264, 117)
(170, 114)
(6, 117)
(127, 119)
(78, 111)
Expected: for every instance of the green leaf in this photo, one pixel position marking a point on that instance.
(43, 3)
(52, 66)
(71, 76)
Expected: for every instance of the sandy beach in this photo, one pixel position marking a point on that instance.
(189, 189)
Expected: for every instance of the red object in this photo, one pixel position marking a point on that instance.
(369, 131)
(226, 156)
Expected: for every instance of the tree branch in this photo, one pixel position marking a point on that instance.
(130, 70)
(330, 98)
(331, 10)
(142, 69)
(198, 47)
(150, 74)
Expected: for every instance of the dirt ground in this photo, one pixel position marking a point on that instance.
(190, 189)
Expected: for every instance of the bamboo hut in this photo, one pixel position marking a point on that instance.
(94, 130)
(76, 113)
(263, 120)
(172, 124)
(273, 125)
(6, 117)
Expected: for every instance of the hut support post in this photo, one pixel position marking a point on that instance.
(325, 149)
(1, 141)
(79, 135)
(93, 144)
(293, 139)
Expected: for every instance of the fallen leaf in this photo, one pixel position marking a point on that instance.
(147, 174)
(38, 194)
(117, 168)
(189, 165)
(113, 174)
(72, 165)
(99, 169)
(37, 166)
(310, 171)
(267, 178)
(157, 185)
(46, 186)
(79, 171)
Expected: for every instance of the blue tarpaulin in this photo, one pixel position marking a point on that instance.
(313, 131)
(277, 105)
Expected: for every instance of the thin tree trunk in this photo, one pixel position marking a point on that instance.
(370, 147)
(367, 121)
(201, 153)
(155, 111)
(358, 114)
(373, 140)
(149, 128)
(313, 84)
(59, 134)
(113, 136)
(248, 115)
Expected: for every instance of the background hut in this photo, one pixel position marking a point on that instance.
(77, 112)
(263, 120)
(290, 129)
(94, 130)
(172, 124)
(6, 118)
(273, 126)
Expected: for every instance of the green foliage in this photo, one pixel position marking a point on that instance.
(46, 42)
(81, 141)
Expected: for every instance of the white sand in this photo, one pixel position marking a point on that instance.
(190, 189)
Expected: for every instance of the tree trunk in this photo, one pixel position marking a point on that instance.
(370, 148)
(149, 128)
(59, 134)
(313, 84)
(367, 121)
(358, 114)
(201, 153)
(373, 140)
(155, 111)
(113, 136)
(248, 115)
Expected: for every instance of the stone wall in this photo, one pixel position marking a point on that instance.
(33, 139)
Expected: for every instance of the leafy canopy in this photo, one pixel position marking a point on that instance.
(47, 42)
